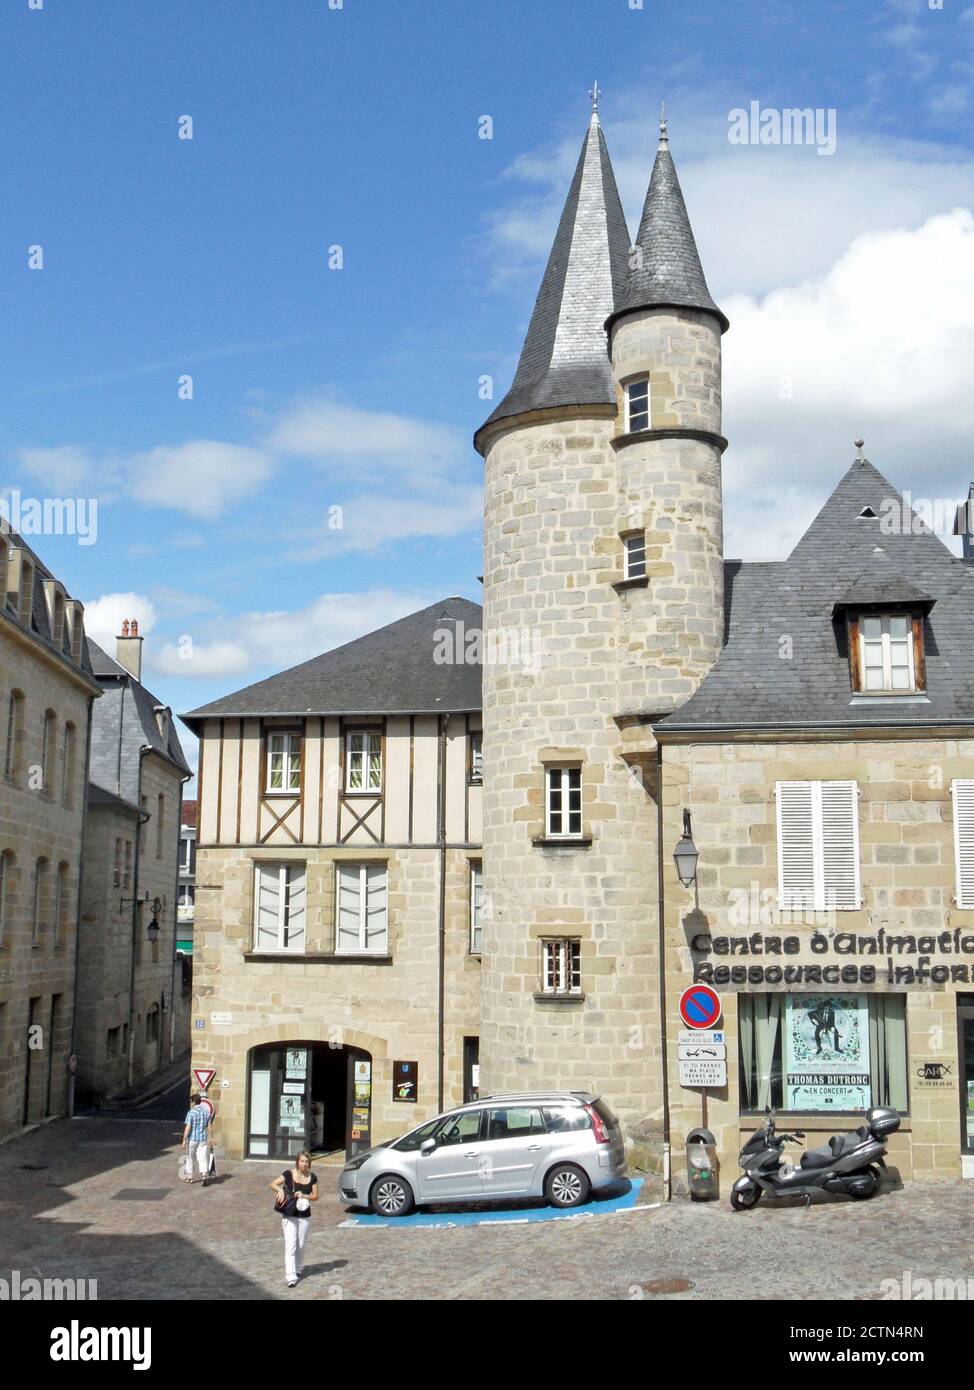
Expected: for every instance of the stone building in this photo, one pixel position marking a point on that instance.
(808, 723)
(336, 953)
(132, 1014)
(47, 691)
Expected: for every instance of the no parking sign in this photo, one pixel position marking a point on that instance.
(700, 1007)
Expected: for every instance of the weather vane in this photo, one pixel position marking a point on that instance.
(663, 132)
(595, 93)
(859, 443)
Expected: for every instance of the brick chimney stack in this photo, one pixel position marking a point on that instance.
(128, 648)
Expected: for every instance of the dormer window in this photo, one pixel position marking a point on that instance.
(886, 653)
(637, 405)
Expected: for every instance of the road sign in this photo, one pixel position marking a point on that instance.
(713, 1052)
(208, 1104)
(699, 1007)
(203, 1076)
(703, 1073)
(699, 1035)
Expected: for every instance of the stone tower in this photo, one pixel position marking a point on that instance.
(602, 606)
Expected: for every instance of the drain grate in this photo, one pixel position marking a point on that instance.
(662, 1286)
(141, 1194)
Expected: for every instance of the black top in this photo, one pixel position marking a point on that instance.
(300, 1189)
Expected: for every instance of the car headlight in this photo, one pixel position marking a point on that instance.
(356, 1163)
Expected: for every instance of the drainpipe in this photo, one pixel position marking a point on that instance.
(661, 903)
(143, 819)
(77, 924)
(175, 929)
(444, 720)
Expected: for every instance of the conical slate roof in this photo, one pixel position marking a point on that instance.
(565, 358)
(667, 270)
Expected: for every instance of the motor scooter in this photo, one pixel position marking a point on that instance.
(849, 1163)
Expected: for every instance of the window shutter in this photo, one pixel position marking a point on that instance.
(963, 791)
(268, 907)
(376, 933)
(840, 845)
(296, 900)
(349, 896)
(796, 846)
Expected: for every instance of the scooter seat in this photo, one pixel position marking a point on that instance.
(817, 1158)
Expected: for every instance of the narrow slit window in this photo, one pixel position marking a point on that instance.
(637, 405)
(635, 552)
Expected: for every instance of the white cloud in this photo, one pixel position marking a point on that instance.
(262, 643)
(104, 617)
(62, 469)
(371, 520)
(203, 477)
(881, 344)
(337, 435)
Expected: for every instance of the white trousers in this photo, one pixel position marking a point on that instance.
(295, 1234)
(201, 1154)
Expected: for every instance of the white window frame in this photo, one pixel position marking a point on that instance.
(476, 907)
(361, 758)
(559, 779)
(823, 896)
(283, 868)
(634, 556)
(886, 642)
(363, 948)
(561, 965)
(641, 384)
(476, 755)
(962, 792)
(289, 741)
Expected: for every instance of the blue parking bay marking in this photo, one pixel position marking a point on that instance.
(511, 1216)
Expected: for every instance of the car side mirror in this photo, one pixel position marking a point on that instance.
(427, 1146)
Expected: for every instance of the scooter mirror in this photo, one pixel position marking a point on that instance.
(799, 1134)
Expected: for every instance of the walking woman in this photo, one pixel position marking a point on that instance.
(296, 1189)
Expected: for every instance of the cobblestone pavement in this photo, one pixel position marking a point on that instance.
(98, 1198)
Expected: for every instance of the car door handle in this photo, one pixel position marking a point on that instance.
(474, 1153)
(532, 1148)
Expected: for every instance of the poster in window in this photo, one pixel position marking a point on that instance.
(296, 1063)
(404, 1081)
(363, 1071)
(292, 1113)
(826, 1052)
(363, 1093)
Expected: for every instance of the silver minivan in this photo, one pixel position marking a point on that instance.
(563, 1145)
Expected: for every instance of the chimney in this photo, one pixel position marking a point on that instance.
(128, 648)
(964, 526)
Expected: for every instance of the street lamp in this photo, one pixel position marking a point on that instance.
(153, 928)
(686, 855)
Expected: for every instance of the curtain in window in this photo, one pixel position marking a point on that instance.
(887, 1050)
(759, 1020)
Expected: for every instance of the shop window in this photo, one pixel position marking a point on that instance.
(818, 846)
(814, 1053)
(362, 917)
(279, 914)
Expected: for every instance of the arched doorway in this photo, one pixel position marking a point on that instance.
(308, 1095)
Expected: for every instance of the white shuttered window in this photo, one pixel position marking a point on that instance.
(279, 914)
(818, 845)
(362, 908)
(963, 793)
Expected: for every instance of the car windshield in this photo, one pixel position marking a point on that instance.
(415, 1137)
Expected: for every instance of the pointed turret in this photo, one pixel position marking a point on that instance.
(665, 269)
(565, 360)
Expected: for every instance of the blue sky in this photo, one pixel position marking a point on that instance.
(849, 280)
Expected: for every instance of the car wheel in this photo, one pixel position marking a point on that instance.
(391, 1196)
(744, 1201)
(567, 1186)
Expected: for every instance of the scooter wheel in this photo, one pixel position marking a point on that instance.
(744, 1201)
(863, 1193)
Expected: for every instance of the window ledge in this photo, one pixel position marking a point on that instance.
(373, 795)
(277, 794)
(541, 998)
(320, 957)
(562, 841)
(905, 697)
(621, 585)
